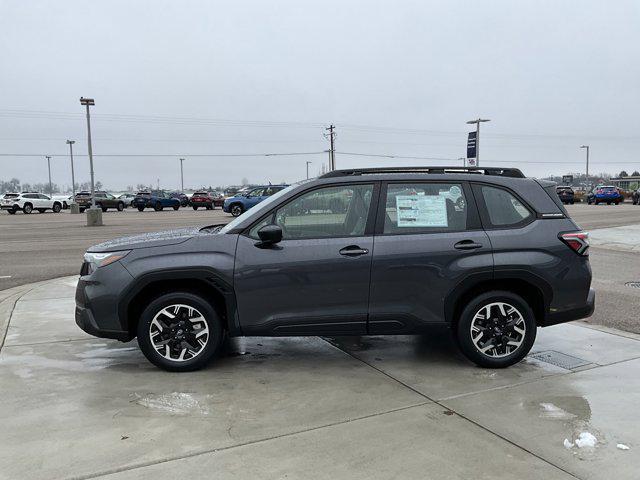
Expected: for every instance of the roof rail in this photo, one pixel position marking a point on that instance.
(503, 172)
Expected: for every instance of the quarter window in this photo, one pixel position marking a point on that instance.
(325, 212)
(503, 208)
(425, 207)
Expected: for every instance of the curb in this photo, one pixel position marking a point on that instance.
(10, 297)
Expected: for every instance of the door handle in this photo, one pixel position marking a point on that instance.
(467, 245)
(353, 251)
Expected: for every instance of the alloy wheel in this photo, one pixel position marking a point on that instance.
(498, 329)
(179, 332)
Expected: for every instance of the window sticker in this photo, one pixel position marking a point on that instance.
(421, 211)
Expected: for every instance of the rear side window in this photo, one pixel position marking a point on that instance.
(425, 208)
(503, 208)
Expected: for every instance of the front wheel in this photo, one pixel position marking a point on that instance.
(158, 207)
(179, 332)
(57, 207)
(120, 206)
(236, 210)
(195, 208)
(28, 208)
(12, 211)
(496, 329)
(141, 209)
(176, 207)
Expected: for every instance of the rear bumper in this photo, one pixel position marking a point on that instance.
(10, 207)
(584, 311)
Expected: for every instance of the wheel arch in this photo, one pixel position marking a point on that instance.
(204, 282)
(534, 290)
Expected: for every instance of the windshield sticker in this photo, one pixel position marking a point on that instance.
(421, 211)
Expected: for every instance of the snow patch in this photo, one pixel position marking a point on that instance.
(622, 446)
(584, 440)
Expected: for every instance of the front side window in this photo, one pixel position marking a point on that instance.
(256, 193)
(325, 212)
(503, 208)
(425, 208)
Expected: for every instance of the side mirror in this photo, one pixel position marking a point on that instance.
(269, 235)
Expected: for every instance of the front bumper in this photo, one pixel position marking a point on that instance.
(583, 311)
(85, 320)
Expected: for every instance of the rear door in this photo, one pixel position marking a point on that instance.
(428, 243)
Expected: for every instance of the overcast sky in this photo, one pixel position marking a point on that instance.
(187, 78)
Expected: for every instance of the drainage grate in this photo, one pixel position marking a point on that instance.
(633, 284)
(561, 360)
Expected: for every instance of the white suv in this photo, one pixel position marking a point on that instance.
(28, 202)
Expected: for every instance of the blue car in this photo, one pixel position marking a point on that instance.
(240, 203)
(157, 199)
(605, 194)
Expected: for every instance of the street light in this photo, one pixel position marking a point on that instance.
(181, 175)
(587, 147)
(72, 206)
(478, 121)
(308, 162)
(48, 157)
(94, 216)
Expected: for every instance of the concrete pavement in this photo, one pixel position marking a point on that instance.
(74, 406)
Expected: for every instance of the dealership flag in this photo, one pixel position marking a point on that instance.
(471, 145)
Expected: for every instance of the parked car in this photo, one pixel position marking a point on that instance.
(27, 202)
(566, 194)
(201, 200)
(493, 268)
(184, 199)
(127, 199)
(605, 194)
(157, 199)
(240, 203)
(104, 201)
(65, 200)
(635, 197)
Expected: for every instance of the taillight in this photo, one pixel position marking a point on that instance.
(576, 241)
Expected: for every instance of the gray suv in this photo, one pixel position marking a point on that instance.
(485, 251)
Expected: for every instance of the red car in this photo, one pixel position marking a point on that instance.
(208, 200)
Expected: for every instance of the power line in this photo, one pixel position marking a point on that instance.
(276, 154)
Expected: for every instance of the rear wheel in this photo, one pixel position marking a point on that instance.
(81, 210)
(28, 208)
(195, 208)
(12, 211)
(209, 207)
(120, 206)
(179, 332)
(158, 207)
(176, 207)
(496, 329)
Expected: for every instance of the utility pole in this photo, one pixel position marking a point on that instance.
(478, 121)
(94, 215)
(332, 149)
(48, 157)
(308, 162)
(181, 176)
(73, 207)
(587, 147)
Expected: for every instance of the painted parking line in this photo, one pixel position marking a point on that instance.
(5, 276)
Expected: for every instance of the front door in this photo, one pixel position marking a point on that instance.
(428, 241)
(316, 280)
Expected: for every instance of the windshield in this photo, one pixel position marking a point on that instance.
(11, 195)
(262, 206)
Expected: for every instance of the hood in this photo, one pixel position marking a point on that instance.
(153, 239)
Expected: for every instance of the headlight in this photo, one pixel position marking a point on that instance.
(97, 260)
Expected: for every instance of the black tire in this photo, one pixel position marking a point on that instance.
(141, 209)
(236, 209)
(176, 207)
(57, 207)
(42, 210)
(174, 329)
(209, 207)
(158, 207)
(27, 208)
(81, 210)
(498, 331)
(195, 208)
(608, 203)
(120, 206)
(12, 211)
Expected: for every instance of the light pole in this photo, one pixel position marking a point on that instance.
(478, 121)
(587, 147)
(48, 157)
(181, 175)
(94, 215)
(72, 207)
(308, 162)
